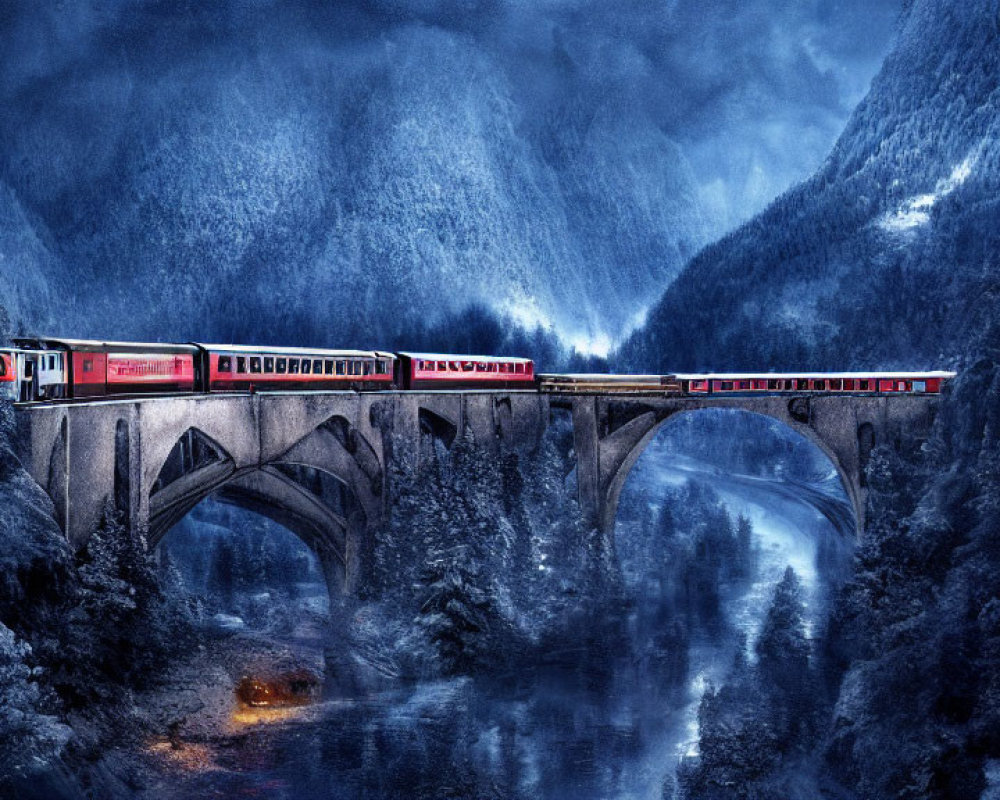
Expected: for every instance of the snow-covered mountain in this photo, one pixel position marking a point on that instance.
(890, 255)
(344, 193)
(352, 172)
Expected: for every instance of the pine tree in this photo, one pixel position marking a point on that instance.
(454, 609)
(745, 561)
(29, 740)
(782, 648)
(221, 578)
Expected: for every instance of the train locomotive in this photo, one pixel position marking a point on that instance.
(45, 370)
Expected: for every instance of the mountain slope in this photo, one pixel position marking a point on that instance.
(888, 256)
(296, 183)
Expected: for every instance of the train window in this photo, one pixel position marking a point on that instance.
(837, 386)
(225, 364)
(480, 367)
(849, 385)
(341, 367)
(328, 367)
(468, 366)
(819, 385)
(282, 366)
(241, 363)
(293, 366)
(902, 386)
(52, 362)
(801, 384)
(743, 385)
(864, 385)
(306, 366)
(88, 365)
(920, 386)
(442, 366)
(380, 367)
(317, 366)
(727, 386)
(268, 364)
(519, 369)
(255, 364)
(772, 384)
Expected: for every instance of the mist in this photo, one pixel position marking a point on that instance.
(558, 161)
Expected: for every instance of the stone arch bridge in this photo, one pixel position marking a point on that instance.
(318, 463)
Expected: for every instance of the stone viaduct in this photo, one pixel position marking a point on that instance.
(318, 462)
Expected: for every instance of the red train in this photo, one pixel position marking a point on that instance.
(52, 369)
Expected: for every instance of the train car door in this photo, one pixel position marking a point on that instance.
(28, 377)
(50, 375)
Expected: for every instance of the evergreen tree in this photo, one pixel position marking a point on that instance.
(782, 649)
(745, 560)
(30, 741)
(221, 578)
(454, 611)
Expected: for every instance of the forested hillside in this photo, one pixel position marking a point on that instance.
(888, 256)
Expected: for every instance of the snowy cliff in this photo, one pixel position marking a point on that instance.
(888, 255)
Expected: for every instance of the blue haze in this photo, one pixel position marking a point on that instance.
(239, 170)
(354, 174)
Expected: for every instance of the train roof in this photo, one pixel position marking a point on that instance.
(735, 376)
(293, 351)
(98, 345)
(458, 357)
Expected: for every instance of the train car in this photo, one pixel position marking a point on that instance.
(32, 374)
(442, 371)
(240, 368)
(58, 368)
(598, 383)
(8, 376)
(822, 383)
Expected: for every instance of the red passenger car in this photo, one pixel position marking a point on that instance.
(834, 382)
(234, 368)
(80, 368)
(438, 371)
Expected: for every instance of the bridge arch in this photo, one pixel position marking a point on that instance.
(621, 448)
